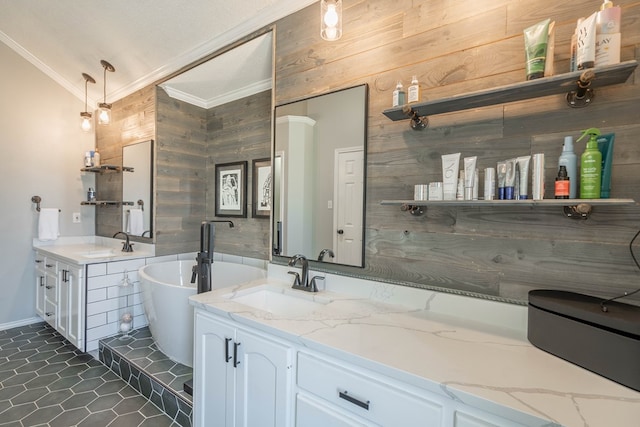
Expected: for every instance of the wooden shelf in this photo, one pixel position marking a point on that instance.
(107, 168)
(562, 83)
(528, 202)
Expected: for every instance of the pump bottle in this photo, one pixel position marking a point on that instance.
(414, 91)
(590, 166)
(399, 95)
(569, 160)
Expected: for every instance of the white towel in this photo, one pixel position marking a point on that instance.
(135, 226)
(48, 224)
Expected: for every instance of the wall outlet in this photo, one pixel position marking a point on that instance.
(76, 217)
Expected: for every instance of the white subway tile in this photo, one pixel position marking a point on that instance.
(121, 266)
(96, 320)
(96, 295)
(96, 269)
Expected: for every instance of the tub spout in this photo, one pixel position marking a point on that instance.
(204, 258)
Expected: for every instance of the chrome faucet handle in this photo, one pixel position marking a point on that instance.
(296, 280)
(312, 285)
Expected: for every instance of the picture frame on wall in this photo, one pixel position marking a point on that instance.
(261, 188)
(231, 189)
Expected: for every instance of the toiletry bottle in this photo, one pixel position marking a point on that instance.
(87, 159)
(608, 38)
(562, 184)
(414, 91)
(590, 166)
(96, 158)
(398, 95)
(569, 160)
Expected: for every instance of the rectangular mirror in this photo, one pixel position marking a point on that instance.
(319, 160)
(137, 188)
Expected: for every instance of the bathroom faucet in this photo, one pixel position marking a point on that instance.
(126, 246)
(301, 281)
(325, 252)
(204, 259)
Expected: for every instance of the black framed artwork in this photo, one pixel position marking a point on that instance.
(261, 188)
(231, 189)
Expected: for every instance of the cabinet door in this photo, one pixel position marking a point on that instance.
(214, 375)
(71, 304)
(40, 283)
(263, 381)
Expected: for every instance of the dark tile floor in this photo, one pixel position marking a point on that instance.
(46, 382)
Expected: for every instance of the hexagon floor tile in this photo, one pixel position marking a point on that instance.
(47, 382)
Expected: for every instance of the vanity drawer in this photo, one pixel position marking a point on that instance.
(366, 394)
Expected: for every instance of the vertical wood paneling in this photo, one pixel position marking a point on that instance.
(455, 47)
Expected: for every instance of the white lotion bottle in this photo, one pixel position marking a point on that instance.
(414, 91)
(569, 160)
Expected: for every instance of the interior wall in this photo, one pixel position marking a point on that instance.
(42, 150)
(239, 131)
(455, 47)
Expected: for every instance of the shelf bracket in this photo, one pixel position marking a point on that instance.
(417, 122)
(412, 209)
(579, 211)
(583, 95)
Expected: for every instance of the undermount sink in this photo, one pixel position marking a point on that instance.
(279, 301)
(102, 253)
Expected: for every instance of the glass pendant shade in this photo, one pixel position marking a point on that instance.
(104, 113)
(86, 121)
(331, 19)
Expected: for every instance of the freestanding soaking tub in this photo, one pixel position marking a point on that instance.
(166, 288)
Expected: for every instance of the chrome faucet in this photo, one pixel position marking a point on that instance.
(325, 252)
(204, 259)
(126, 245)
(301, 281)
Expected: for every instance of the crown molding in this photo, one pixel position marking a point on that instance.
(24, 53)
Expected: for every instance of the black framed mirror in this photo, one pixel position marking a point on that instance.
(319, 177)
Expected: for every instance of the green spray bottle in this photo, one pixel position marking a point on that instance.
(590, 166)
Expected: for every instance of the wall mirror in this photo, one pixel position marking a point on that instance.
(319, 160)
(137, 188)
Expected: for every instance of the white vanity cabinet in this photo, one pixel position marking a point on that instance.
(60, 297)
(244, 378)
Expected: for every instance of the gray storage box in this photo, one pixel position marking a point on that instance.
(574, 327)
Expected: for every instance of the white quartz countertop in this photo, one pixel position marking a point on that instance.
(92, 249)
(466, 349)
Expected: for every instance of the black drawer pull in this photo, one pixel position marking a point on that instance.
(49, 265)
(345, 395)
(49, 287)
(38, 261)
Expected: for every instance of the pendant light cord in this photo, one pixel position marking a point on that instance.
(625, 294)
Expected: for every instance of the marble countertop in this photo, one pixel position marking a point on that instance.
(467, 349)
(92, 249)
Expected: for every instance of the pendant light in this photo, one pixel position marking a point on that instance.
(86, 116)
(104, 109)
(330, 19)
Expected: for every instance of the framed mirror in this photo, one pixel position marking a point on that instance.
(137, 178)
(319, 159)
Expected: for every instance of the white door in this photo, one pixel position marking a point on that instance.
(347, 209)
(263, 382)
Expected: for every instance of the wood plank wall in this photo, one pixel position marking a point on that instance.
(239, 131)
(456, 46)
(180, 174)
(133, 119)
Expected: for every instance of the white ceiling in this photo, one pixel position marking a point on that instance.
(145, 41)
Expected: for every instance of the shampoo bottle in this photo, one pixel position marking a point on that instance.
(569, 160)
(590, 166)
(414, 91)
(562, 184)
(398, 95)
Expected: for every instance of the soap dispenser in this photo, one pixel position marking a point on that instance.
(590, 166)
(399, 96)
(569, 160)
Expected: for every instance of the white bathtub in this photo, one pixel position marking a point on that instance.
(166, 289)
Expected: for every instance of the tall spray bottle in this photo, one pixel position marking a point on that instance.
(569, 160)
(590, 166)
